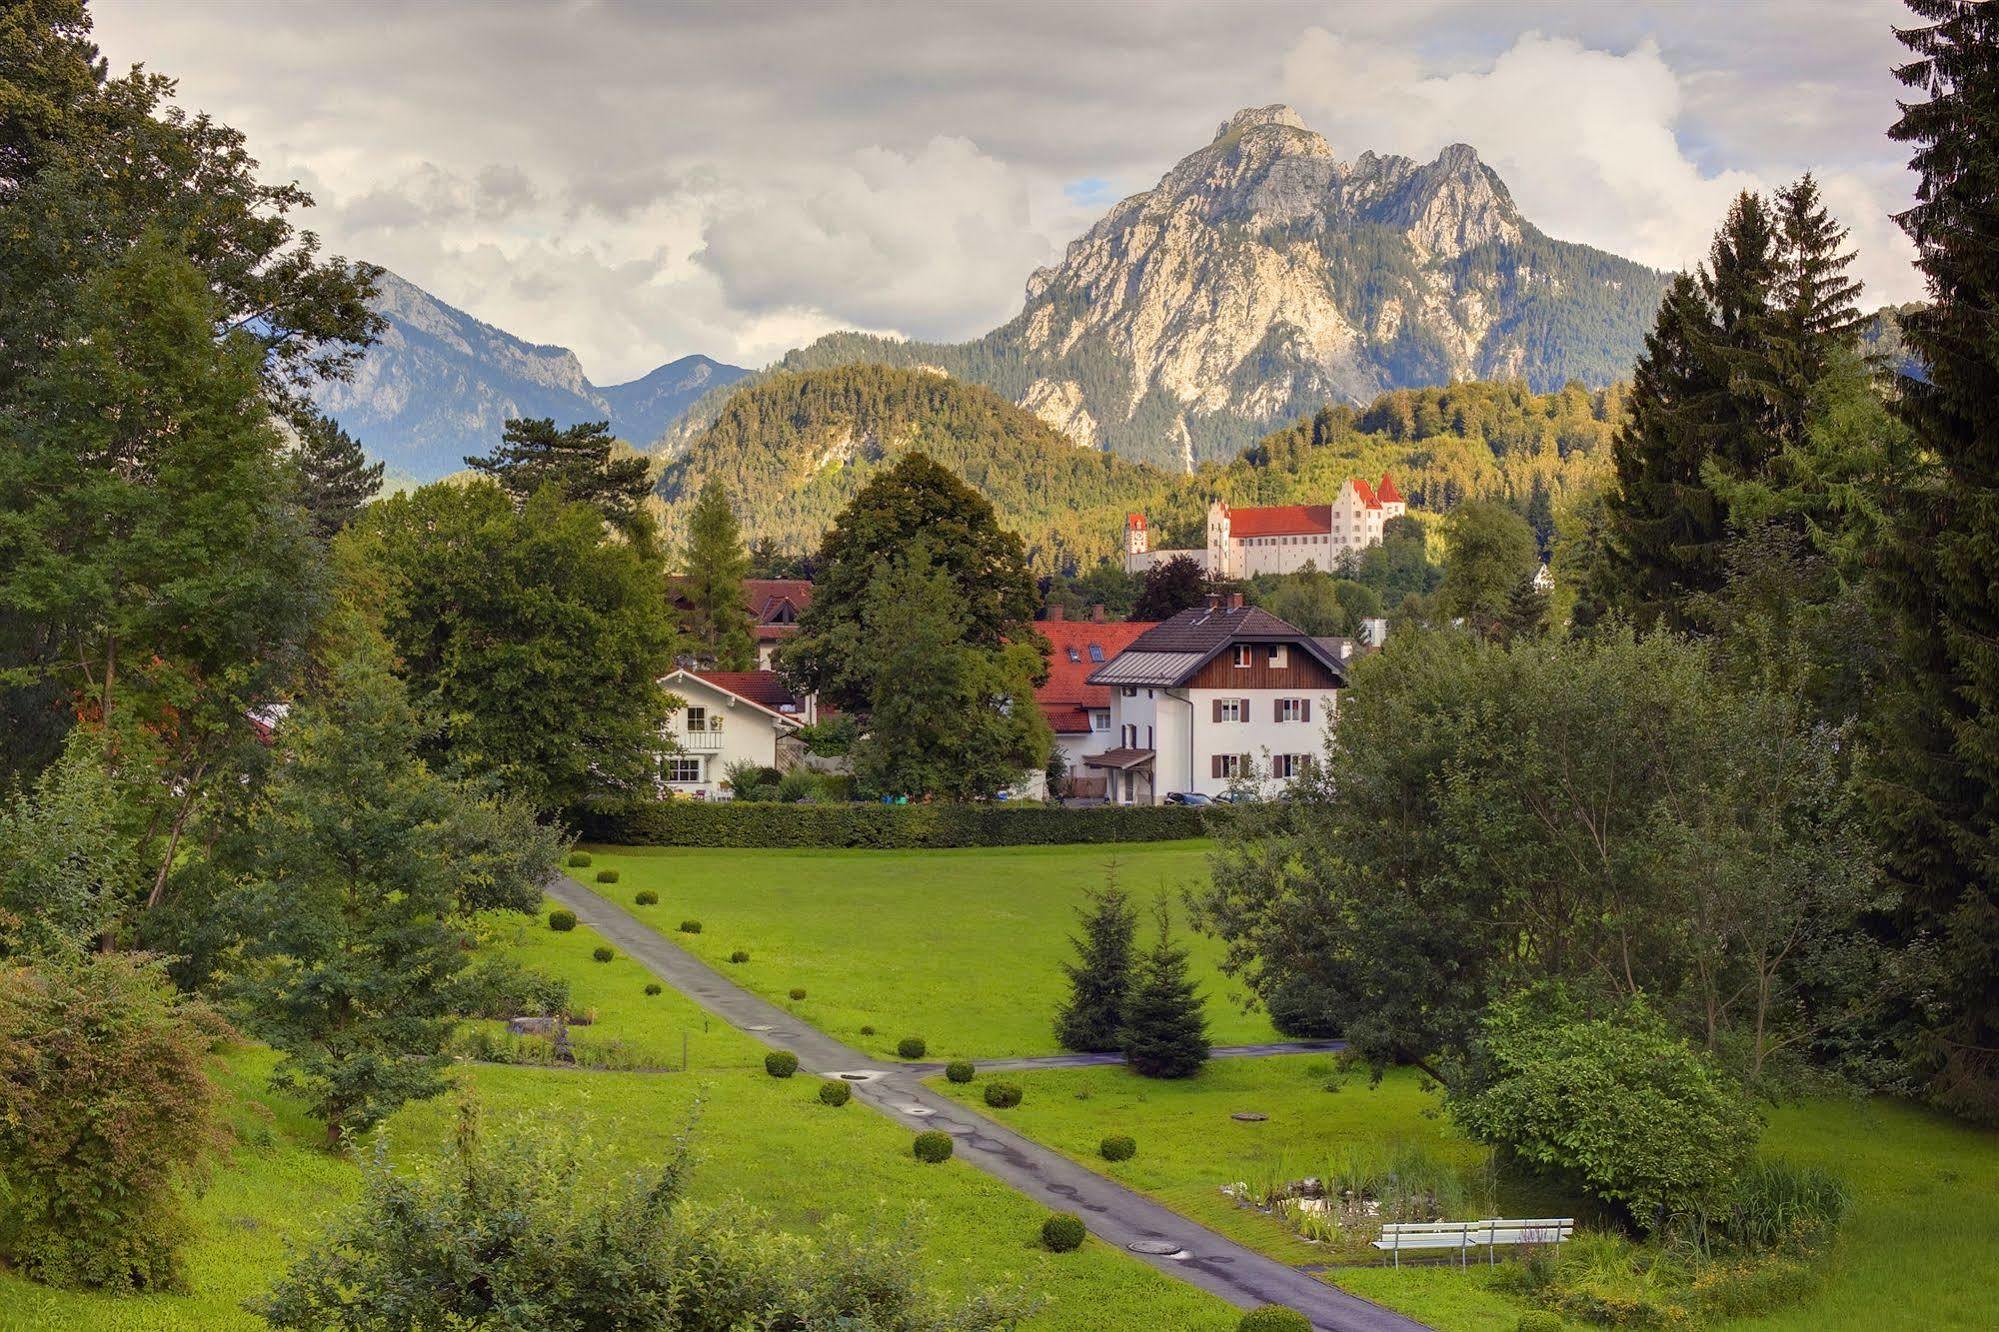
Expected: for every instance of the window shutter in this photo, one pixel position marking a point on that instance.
(1218, 710)
(1306, 705)
(1277, 709)
(1243, 704)
(1215, 764)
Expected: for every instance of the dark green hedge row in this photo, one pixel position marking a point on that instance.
(695, 823)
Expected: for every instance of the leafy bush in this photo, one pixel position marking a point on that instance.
(690, 927)
(1562, 1091)
(797, 993)
(725, 823)
(496, 986)
(796, 785)
(780, 1063)
(646, 897)
(106, 1112)
(652, 987)
(867, 1030)
(602, 954)
(1063, 1232)
(1274, 1318)
(562, 919)
(1118, 1147)
(932, 1146)
(739, 956)
(1540, 1320)
(959, 1070)
(607, 876)
(1003, 1095)
(911, 1047)
(835, 1093)
(748, 780)
(579, 859)
(1773, 1205)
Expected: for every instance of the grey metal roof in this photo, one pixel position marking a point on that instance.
(1131, 667)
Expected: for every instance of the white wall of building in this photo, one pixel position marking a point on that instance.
(1178, 726)
(716, 729)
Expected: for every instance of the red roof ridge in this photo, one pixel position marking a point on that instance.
(1388, 493)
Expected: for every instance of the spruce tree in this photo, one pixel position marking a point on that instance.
(579, 462)
(1165, 1028)
(716, 565)
(1092, 1018)
(1936, 789)
(335, 477)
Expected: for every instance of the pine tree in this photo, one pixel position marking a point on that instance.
(1165, 1028)
(579, 462)
(1092, 1018)
(716, 565)
(1936, 787)
(335, 477)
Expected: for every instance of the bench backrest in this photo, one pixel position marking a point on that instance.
(1545, 1230)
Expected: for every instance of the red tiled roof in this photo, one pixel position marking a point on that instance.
(757, 686)
(1366, 493)
(1388, 494)
(1067, 697)
(1281, 520)
(763, 596)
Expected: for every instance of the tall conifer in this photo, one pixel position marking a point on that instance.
(1092, 1018)
(716, 565)
(1165, 1028)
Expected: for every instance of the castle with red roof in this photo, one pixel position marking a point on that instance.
(1282, 538)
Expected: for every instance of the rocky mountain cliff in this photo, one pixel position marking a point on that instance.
(440, 383)
(1265, 276)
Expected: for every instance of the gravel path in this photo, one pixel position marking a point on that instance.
(1114, 1214)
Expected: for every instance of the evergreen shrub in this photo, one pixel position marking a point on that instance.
(912, 1047)
(602, 954)
(1063, 1232)
(1002, 1095)
(562, 920)
(607, 876)
(835, 1093)
(959, 1070)
(932, 1146)
(647, 897)
(1118, 1147)
(780, 1063)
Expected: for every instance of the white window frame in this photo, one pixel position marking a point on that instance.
(1242, 656)
(674, 769)
(1231, 766)
(697, 720)
(1100, 721)
(1277, 655)
(1290, 709)
(1232, 709)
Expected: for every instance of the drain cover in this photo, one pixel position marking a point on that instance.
(1158, 1248)
(919, 1111)
(764, 1027)
(1249, 1117)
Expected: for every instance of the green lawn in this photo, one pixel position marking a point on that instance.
(1920, 1248)
(766, 1140)
(962, 948)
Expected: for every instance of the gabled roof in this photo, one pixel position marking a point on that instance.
(1068, 695)
(1281, 520)
(762, 690)
(1387, 493)
(1172, 651)
(766, 595)
(1366, 493)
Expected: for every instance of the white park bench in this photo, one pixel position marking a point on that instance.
(1464, 1236)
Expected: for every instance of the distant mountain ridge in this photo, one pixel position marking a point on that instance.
(1263, 277)
(440, 383)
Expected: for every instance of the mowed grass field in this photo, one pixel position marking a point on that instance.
(963, 948)
(1919, 1250)
(761, 1139)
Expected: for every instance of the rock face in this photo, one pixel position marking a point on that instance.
(440, 384)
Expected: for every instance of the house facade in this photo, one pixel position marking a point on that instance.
(730, 717)
(1212, 694)
(1078, 712)
(1279, 539)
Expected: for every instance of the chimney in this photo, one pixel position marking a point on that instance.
(1214, 601)
(1054, 613)
(1235, 601)
(1097, 613)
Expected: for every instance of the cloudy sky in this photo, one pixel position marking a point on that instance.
(641, 181)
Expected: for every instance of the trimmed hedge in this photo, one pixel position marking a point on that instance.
(1540, 1320)
(893, 827)
(602, 954)
(1274, 1318)
(652, 987)
(562, 919)
(1063, 1232)
(607, 876)
(911, 1047)
(578, 859)
(960, 1070)
(690, 927)
(932, 1146)
(1002, 1095)
(780, 1063)
(646, 897)
(739, 956)
(835, 1094)
(1118, 1147)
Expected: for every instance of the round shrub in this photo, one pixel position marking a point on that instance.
(797, 993)
(932, 1146)
(1118, 1147)
(835, 1093)
(780, 1063)
(690, 927)
(1274, 1318)
(867, 1031)
(560, 919)
(652, 987)
(959, 1070)
(607, 876)
(602, 954)
(578, 859)
(912, 1047)
(739, 956)
(1063, 1232)
(1540, 1320)
(647, 897)
(1002, 1095)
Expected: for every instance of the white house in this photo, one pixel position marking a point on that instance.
(1078, 712)
(731, 717)
(1279, 539)
(1199, 697)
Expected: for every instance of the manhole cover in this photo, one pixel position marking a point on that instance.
(920, 1111)
(764, 1027)
(1158, 1248)
(1249, 1117)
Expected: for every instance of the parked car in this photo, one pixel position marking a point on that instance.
(1187, 798)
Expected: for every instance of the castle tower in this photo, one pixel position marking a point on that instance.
(1136, 542)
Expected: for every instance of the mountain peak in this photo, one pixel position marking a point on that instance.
(1458, 157)
(1252, 116)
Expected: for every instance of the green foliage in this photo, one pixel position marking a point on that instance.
(533, 638)
(645, 897)
(496, 986)
(1562, 1091)
(1165, 1033)
(1002, 1095)
(1118, 1147)
(1063, 1232)
(748, 780)
(1274, 1318)
(796, 785)
(607, 876)
(334, 478)
(653, 988)
(602, 954)
(1170, 587)
(835, 1093)
(1770, 1205)
(1539, 1320)
(562, 919)
(780, 1063)
(106, 1113)
(797, 993)
(739, 956)
(1092, 1017)
(960, 1070)
(714, 567)
(690, 927)
(420, 1249)
(911, 1047)
(1490, 557)
(725, 823)
(68, 850)
(579, 860)
(932, 1147)
(578, 465)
